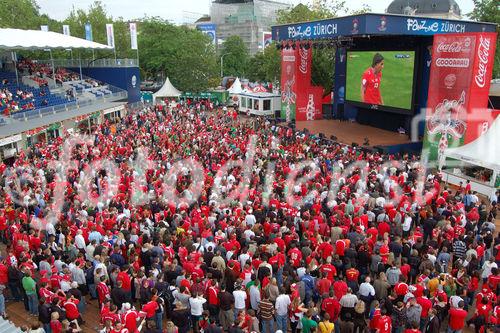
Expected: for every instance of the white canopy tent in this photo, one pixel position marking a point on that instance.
(17, 39)
(483, 152)
(236, 87)
(167, 90)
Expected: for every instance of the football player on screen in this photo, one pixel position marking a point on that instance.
(370, 82)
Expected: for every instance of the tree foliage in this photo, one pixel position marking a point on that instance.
(323, 59)
(489, 11)
(265, 66)
(185, 55)
(21, 14)
(235, 57)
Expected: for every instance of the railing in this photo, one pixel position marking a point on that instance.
(30, 114)
(75, 63)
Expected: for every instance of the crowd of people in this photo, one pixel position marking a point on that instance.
(21, 100)
(39, 71)
(375, 255)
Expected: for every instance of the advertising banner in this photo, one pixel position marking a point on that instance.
(110, 34)
(376, 24)
(451, 72)
(66, 30)
(478, 118)
(267, 39)
(88, 32)
(133, 36)
(456, 63)
(309, 104)
(303, 70)
(288, 84)
(209, 29)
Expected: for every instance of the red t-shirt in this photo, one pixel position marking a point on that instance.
(330, 270)
(129, 319)
(332, 307)
(125, 279)
(457, 319)
(150, 309)
(371, 83)
(340, 289)
(384, 324)
(352, 274)
(426, 305)
(295, 257)
(56, 326)
(71, 308)
(384, 253)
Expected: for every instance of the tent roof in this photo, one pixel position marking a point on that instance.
(236, 87)
(484, 151)
(16, 39)
(167, 90)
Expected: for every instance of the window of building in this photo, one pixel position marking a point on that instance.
(267, 104)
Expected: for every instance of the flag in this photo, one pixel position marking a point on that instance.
(66, 30)
(88, 32)
(133, 36)
(44, 27)
(111, 35)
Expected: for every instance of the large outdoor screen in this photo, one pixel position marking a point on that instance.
(381, 79)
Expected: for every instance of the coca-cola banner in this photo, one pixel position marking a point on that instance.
(454, 69)
(288, 84)
(479, 119)
(304, 64)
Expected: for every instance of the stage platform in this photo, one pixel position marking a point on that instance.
(348, 132)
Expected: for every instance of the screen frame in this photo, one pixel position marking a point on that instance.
(386, 108)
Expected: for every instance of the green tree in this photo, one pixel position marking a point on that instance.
(323, 59)
(489, 11)
(19, 14)
(185, 55)
(235, 57)
(256, 67)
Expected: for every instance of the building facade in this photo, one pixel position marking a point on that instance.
(444, 9)
(248, 19)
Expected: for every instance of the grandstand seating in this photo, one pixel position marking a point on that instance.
(42, 97)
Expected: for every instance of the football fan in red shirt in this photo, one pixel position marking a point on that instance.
(384, 323)
(370, 81)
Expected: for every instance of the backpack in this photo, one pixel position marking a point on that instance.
(169, 297)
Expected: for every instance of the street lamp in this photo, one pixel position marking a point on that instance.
(222, 64)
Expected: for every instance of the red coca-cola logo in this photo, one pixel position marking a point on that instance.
(483, 52)
(304, 57)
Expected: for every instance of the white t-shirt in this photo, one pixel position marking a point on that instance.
(282, 303)
(196, 304)
(239, 299)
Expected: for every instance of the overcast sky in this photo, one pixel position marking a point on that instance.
(181, 11)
